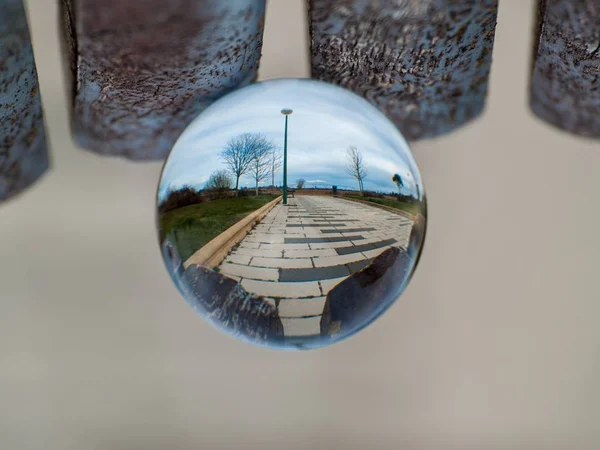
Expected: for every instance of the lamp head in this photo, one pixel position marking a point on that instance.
(286, 112)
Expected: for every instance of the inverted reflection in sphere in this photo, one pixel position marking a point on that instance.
(291, 214)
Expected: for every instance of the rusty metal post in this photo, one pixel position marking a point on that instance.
(142, 69)
(565, 85)
(425, 63)
(23, 149)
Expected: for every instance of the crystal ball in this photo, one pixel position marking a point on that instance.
(291, 214)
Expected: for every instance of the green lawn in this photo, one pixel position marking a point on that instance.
(410, 208)
(191, 227)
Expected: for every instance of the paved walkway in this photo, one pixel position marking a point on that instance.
(299, 252)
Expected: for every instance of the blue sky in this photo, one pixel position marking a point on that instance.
(325, 122)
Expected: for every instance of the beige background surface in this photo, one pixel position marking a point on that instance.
(495, 344)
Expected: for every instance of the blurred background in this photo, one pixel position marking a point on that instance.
(494, 345)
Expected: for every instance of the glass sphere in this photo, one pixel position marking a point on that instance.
(291, 214)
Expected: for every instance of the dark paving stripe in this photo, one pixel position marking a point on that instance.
(301, 225)
(313, 274)
(320, 240)
(312, 217)
(364, 247)
(336, 220)
(348, 230)
(359, 265)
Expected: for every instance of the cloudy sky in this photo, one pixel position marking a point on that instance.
(325, 122)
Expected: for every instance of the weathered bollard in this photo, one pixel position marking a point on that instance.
(361, 298)
(424, 63)
(23, 149)
(565, 88)
(228, 306)
(142, 69)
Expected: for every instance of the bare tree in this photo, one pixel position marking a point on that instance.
(240, 152)
(219, 182)
(356, 167)
(260, 170)
(262, 162)
(300, 183)
(276, 162)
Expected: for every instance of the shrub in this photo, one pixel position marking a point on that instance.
(219, 184)
(185, 196)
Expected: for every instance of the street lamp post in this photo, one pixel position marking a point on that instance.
(286, 113)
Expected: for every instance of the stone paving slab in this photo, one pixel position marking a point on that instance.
(248, 244)
(284, 263)
(366, 234)
(258, 252)
(239, 259)
(328, 285)
(280, 289)
(308, 326)
(255, 273)
(338, 260)
(265, 239)
(286, 246)
(300, 252)
(309, 253)
(301, 307)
